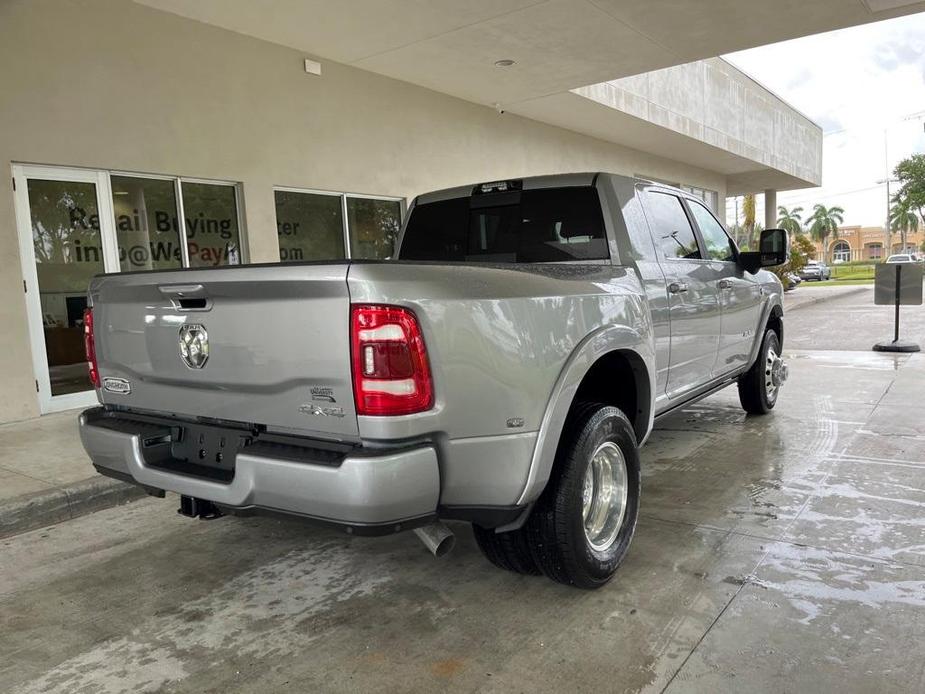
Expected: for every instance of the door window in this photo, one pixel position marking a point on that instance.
(718, 244)
(68, 247)
(671, 227)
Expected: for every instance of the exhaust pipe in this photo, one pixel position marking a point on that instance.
(438, 538)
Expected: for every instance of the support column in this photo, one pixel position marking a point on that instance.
(770, 209)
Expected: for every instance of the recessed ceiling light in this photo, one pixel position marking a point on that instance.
(506, 62)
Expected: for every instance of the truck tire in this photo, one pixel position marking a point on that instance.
(508, 551)
(757, 387)
(582, 525)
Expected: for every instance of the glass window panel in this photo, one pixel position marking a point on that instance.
(145, 215)
(671, 227)
(536, 226)
(310, 226)
(68, 252)
(374, 227)
(719, 245)
(212, 235)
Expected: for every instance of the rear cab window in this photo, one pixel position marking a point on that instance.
(542, 225)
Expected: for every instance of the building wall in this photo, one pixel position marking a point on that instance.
(868, 243)
(716, 103)
(110, 84)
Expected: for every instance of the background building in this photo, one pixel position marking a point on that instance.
(188, 133)
(866, 243)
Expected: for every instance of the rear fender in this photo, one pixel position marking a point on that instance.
(608, 339)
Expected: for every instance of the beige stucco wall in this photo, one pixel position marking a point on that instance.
(714, 102)
(114, 85)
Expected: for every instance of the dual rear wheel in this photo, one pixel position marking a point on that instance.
(582, 524)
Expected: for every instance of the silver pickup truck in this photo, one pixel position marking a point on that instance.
(503, 369)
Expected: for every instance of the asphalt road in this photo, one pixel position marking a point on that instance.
(849, 323)
(776, 553)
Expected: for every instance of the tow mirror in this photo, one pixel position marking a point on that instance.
(773, 249)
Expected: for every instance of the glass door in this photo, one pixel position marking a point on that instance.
(66, 236)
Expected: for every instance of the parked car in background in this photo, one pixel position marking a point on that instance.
(503, 370)
(816, 270)
(901, 258)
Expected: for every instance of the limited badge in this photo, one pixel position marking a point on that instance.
(117, 385)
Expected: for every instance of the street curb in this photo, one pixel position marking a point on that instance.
(819, 299)
(47, 507)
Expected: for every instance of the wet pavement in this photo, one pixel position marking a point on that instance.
(778, 553)
(850, 321)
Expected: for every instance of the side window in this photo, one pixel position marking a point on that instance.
(670, 226)
(719, 245)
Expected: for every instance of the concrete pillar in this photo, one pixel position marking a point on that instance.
(770, 209)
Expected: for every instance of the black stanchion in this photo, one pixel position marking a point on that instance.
(902, 293)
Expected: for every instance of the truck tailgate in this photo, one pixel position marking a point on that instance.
(265, 345)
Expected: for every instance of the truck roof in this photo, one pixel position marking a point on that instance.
(527, 183)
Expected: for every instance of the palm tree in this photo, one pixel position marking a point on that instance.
(790, 220)
(824, 221)
(903, 220)
(748, 212)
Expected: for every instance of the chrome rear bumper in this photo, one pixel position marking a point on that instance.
(362, 488)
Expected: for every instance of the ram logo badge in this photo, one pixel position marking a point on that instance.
(194, 345)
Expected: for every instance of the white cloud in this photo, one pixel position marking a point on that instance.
(855, 83)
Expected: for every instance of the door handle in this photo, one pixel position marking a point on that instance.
(181, 289)
(677, 287)
(724, 284)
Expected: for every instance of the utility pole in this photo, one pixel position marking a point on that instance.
(888, 248)
(889, 231)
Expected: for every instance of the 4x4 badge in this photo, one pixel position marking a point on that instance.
(194, 345)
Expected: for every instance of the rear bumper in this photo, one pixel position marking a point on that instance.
(361, 489)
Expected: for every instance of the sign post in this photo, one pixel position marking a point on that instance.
(897, 284)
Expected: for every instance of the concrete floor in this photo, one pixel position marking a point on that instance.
(41, 454)
(778, 553)
(847, 322)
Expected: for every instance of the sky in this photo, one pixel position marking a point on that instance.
(855, 83)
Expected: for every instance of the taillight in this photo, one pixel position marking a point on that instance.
(391, 375)
(90, 348)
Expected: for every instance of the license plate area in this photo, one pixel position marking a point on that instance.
(208, 451)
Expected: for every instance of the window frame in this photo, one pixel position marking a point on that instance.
(345, 221)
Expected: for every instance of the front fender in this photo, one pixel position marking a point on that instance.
(603, 341)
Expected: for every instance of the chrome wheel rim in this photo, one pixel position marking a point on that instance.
(604, 495)
(773, 368)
